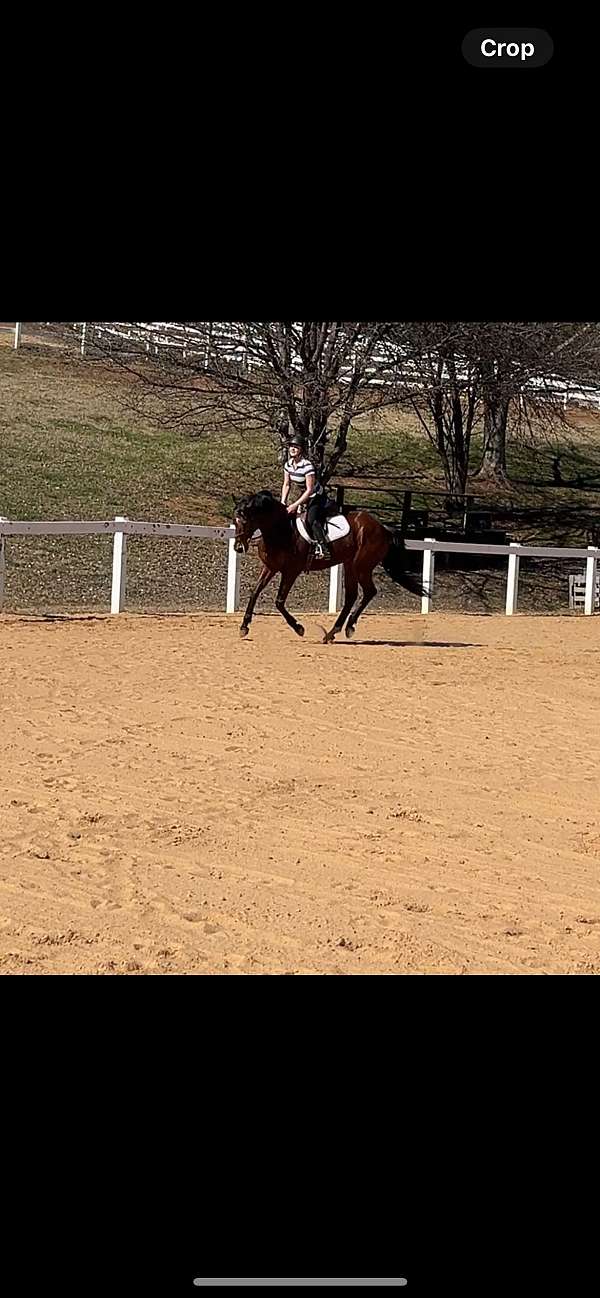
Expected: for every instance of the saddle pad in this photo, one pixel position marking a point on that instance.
(337, 527)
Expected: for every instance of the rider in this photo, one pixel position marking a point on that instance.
(299, 469)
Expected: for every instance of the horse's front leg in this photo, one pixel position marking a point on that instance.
(265, 577)
(287, 581)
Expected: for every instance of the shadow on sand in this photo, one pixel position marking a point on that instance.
(408, 644)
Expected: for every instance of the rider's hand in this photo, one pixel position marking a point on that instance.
(291, 509)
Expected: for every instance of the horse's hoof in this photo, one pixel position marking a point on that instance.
(350, 632)
(244, 631)
(299, 629)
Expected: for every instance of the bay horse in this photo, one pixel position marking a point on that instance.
(282, 549)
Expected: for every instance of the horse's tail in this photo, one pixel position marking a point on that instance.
(395, 566)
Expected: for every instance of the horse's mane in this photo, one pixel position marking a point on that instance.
(260, 500)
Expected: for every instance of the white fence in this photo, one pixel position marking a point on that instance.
(154, 336)
(232, 343)
(120, 528)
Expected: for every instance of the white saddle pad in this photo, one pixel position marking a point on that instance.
(337, 527)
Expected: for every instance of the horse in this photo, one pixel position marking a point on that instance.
(282, 549)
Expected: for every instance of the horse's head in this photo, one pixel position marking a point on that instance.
(250, 515)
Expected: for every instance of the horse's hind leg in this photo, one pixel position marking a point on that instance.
(369, 591)
(350, 593)
(282, 594)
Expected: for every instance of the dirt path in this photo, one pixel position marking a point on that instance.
(423, 800)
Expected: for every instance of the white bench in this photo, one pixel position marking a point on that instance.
(577, 590)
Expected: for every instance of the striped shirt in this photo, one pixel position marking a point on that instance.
(299, 471)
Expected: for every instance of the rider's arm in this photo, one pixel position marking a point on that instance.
(285, 490)
(310, 486)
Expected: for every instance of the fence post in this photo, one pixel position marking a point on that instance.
(119, 572)
(18, 328)
(233, 578)
(512, 585)
(336, 585)
(406, 504)
(428, 576)
(2, 561)
(590, 579)
(83, 334)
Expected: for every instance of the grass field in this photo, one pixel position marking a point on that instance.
(73, 447)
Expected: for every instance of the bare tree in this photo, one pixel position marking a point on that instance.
(527, 368)
(309, 377)
(443, 385)
(507, 373)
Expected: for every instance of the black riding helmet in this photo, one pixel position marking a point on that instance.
(297, 441)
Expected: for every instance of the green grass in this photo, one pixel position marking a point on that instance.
(71, 443)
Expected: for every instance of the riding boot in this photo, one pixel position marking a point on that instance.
(320, 536)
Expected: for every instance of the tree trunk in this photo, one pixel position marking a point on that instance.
(495, 420)
(339, 449)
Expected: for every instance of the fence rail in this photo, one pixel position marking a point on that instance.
(121, 527)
